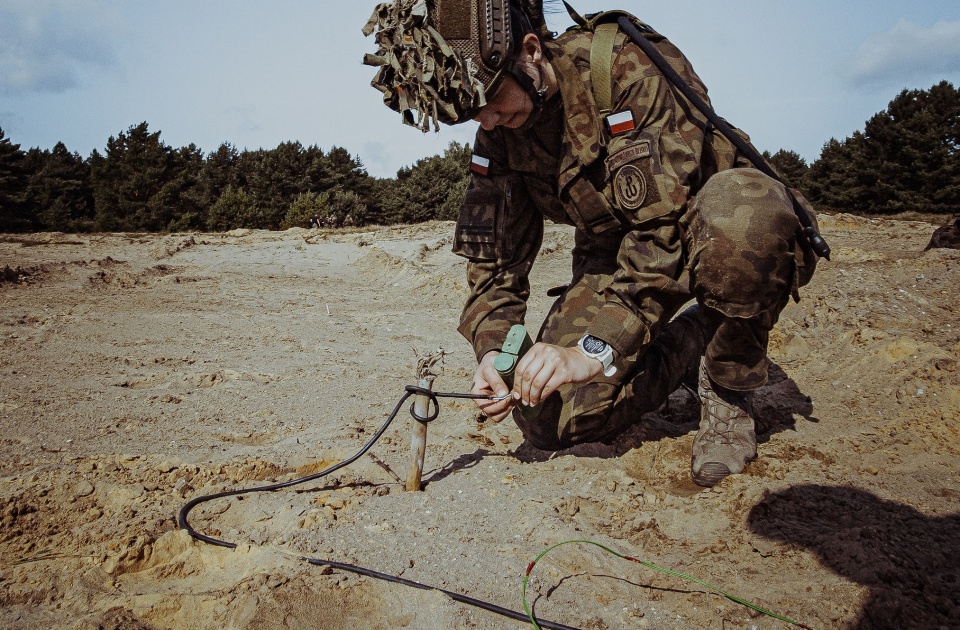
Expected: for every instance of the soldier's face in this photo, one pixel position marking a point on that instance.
(510, 107)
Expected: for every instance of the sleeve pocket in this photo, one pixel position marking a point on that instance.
(479, 228)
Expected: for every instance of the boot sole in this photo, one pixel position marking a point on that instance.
(711, 474)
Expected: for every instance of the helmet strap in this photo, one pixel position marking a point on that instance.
(538, 95)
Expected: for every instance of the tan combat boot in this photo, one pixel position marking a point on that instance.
(727, 440)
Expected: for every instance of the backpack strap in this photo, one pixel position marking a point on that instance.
(601, 62)
(605, 28)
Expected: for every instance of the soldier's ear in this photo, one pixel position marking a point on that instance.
(530, 48)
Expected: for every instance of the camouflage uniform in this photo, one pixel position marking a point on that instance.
(664, 212)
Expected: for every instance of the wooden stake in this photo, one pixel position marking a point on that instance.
(418, 440)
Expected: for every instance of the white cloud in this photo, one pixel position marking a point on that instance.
(908, 53)
(45, 44)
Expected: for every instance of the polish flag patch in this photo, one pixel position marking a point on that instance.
(479, 165)
(621, 122)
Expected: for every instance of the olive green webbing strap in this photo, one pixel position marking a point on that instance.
(601, 62)
(601, 55)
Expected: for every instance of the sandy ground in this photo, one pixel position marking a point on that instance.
(140, 371)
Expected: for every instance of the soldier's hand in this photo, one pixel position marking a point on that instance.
(487, 382)
(546, 367)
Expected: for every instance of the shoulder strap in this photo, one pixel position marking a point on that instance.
(605, 28)
(601, 62)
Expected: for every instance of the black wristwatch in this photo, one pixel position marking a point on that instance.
(600, 350)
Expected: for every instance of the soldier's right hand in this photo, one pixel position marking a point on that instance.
(487, 382)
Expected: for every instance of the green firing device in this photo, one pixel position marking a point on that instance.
(515, 346)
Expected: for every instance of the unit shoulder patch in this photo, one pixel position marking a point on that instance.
(630, 187)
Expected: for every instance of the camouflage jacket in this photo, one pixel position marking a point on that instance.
(625, 187)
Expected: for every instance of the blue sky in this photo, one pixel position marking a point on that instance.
(256, 73)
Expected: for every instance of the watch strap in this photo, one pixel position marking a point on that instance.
(605, 356)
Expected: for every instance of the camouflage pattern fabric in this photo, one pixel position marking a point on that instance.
(947, 236)
(665, 211)
(605, 407)
(741, 239)
(739, 228)
(419, 71)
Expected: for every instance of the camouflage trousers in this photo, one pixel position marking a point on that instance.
(739, 238)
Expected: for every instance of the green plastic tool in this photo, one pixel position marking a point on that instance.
(514, 347)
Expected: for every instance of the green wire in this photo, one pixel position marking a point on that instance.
(649, 565)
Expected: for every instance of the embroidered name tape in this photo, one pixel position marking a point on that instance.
(634, 152)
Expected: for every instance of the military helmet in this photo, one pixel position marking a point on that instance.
(439, 59)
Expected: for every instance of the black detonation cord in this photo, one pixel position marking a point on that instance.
(410, 390)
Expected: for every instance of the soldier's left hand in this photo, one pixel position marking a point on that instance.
(545, 367)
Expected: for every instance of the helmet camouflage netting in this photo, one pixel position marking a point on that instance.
(440, 58)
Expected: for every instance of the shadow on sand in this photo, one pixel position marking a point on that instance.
(910, 562)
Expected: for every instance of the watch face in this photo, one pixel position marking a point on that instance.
(594, 345)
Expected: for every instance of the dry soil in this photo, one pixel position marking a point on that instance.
(140, 371)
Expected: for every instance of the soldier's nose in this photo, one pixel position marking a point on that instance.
(487, 118)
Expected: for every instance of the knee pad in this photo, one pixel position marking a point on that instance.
(741, 238)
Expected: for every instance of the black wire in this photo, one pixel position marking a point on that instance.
(410, 390)
(500, 610)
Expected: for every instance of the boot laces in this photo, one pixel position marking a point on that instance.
(724, 417)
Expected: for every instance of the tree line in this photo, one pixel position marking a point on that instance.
(140, 184)
(905, 159)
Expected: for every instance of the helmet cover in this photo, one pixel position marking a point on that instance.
(438, 59)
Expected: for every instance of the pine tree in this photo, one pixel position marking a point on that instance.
(128, 180)
(274, 179)
(234, 209)
(180, 204)
(845, 177)
(15, 214)
(431, 189)
(916, 140)
(789, 165)
(59, 189)
(906, 159)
